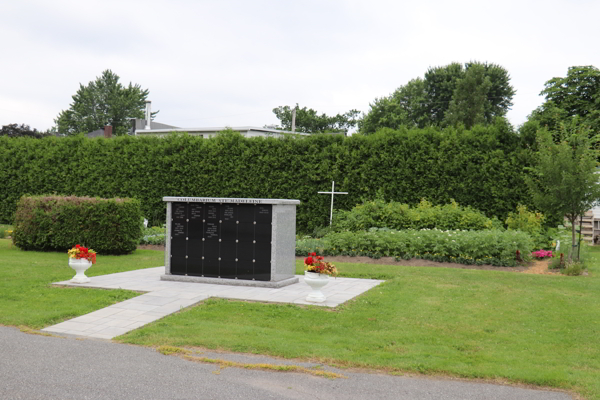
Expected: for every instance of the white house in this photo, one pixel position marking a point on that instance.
(246, 131)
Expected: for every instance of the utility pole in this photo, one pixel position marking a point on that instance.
(294, 120)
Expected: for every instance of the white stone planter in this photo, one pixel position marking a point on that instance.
(80, 266)
(316, 282)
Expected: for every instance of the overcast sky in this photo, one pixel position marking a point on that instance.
(229, 63)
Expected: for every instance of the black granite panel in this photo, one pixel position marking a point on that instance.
(196, 212)
(211, 250)
(211, 212)
(178, 247)
(179, 210)
(178, 229)
(227, 269)
(195, 248)
(228, 212)
(194, 266)
(262, 271)
(229, 231)
(245, 269)
(246, 213)
(262, 233)
(178, 265)
(246, 231)
(210, 267)
(195, 229)
(262, 252)
(245, 250)
(211, 231)
(228, 250)
(262, 214)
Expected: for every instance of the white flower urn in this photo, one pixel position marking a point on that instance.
(80, 266)
(316, 281)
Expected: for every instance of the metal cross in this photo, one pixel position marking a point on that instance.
(332, 193)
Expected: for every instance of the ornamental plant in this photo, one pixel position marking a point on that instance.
(541, 254)
(315, 263)
(492, 247)
(78, 252)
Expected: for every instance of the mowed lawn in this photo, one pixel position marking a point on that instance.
(28, 299)
(536, 329)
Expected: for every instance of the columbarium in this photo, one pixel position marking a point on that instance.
(231, 241)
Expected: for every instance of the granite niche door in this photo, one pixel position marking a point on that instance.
(179, 238)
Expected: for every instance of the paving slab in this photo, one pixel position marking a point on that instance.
(162, 298)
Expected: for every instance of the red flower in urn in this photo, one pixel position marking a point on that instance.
(317, 264)
(79, 252)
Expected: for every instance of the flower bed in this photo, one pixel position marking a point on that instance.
(493, 247)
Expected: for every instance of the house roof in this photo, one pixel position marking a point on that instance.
(140, 124)
(243, 129)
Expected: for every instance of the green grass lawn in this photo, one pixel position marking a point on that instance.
(26, 297)
(535, 329)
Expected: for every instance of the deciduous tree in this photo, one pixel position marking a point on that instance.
(576, 95)
(563, 180)
(16, 130)
(404, 107)
(473, 93)
(309, 121)
(104, 101)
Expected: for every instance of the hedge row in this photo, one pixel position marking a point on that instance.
(481, 168)
(55, 223)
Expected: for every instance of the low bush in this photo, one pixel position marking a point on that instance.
(307, 244)
(493, 247)
(573, 269)
(394, 215)
(57, 223)
(557, 262)
(5, 230)
(533, 223)
(154, 235)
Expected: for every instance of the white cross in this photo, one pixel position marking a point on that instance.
(332, 193)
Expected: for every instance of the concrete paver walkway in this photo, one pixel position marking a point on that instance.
(166, 297)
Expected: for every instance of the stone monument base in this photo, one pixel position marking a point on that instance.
(231, 282)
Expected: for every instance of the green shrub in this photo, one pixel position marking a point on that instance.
(307, 244)
(153, 235)
(5, 230)
(525, 220)
(558, 261)
(573, 269)
(319, 232)
(56, 223)
(393, 215)
(532, 223)
(493, 247)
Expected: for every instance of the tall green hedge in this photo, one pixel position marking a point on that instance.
(57, 223)
(481, 168)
